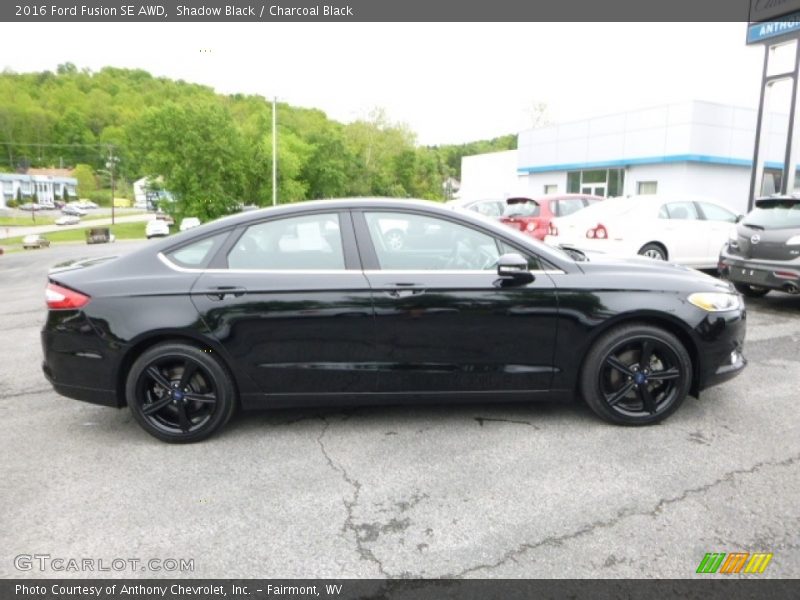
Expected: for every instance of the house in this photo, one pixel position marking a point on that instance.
(48, 185)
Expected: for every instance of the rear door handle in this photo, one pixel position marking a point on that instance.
(219, 292)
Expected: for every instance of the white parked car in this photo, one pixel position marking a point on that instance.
(86, 204)
(189, 223)
(68, 220)
(682, 229)
(156, 228)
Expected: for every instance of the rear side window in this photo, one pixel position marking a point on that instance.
(307, 242)
(197, 255)
(775, 214)
(684, 211)
(567, 206)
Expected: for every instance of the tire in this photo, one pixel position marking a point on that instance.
(654, 251)
(751, 291)
(626, 388)
(179, 393)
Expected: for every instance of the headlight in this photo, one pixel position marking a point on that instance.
(715, 301)
(733, 234)
(793, 241)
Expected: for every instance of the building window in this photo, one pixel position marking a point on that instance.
(596, 182)
(551, 189)
(646, 187)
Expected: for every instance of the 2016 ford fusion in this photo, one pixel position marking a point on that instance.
(313, 304)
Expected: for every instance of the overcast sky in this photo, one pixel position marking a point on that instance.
(449, 82)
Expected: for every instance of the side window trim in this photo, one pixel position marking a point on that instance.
(351, 259)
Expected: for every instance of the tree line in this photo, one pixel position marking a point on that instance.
(212, 151)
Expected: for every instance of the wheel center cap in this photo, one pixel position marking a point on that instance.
(177, 394)
(640, 378)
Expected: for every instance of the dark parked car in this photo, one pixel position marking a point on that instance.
(308, 304)
(764, 252)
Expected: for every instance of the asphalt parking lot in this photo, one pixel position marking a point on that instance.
(515, 491)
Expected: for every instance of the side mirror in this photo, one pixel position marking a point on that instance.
(739, 218)
(513, 270)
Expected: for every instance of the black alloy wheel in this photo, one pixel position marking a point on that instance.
(179, 393)
(636, 375)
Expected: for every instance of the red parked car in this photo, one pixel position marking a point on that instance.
(533, 215)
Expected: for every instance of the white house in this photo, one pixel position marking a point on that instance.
(47, 185)
(694, 147)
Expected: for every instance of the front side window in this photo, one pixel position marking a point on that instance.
(411, 242)
(307, 242)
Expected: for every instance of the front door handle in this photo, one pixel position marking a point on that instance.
(219, 292)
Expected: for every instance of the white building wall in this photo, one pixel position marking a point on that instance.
(729, 185)
(493, 174)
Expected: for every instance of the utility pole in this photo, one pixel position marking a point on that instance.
(110, 165)
(274, 150)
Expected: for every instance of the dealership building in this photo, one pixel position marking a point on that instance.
(695, 147)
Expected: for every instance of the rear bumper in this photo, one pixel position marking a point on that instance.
(772, 274)
(86, 394)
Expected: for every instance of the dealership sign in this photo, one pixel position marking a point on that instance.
(772, 18)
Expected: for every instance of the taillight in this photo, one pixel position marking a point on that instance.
(599, 233)
(61, 298)
(552, 229)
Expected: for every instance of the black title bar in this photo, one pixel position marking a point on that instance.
(126, 11)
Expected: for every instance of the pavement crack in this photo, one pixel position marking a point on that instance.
(482, 420)
(361, 532)
(27, 393)
(558, 540)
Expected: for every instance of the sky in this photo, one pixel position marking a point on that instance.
(449, 82)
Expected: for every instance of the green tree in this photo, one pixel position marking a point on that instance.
(87, 182)
(198, 151)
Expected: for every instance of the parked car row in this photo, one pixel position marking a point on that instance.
(681, 229)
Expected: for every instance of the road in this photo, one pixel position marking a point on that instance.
(7, 232)
(486, 491)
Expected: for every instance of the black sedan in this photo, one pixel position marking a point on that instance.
(312, 304)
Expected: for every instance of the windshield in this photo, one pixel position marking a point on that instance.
(775, 214)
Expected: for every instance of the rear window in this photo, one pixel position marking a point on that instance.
(521, 208)
(775, 214)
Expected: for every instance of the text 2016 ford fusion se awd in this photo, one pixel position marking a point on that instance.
(309, 304)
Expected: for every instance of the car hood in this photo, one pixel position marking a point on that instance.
(647, 273)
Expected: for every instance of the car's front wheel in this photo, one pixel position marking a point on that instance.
(180, 393)
(636, 375)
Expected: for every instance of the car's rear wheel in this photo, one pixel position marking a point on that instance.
(751, 291)
(179, 393)
(654, 251)
(636, 375)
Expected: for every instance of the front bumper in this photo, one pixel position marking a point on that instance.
(772, 274)
(721, 347)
